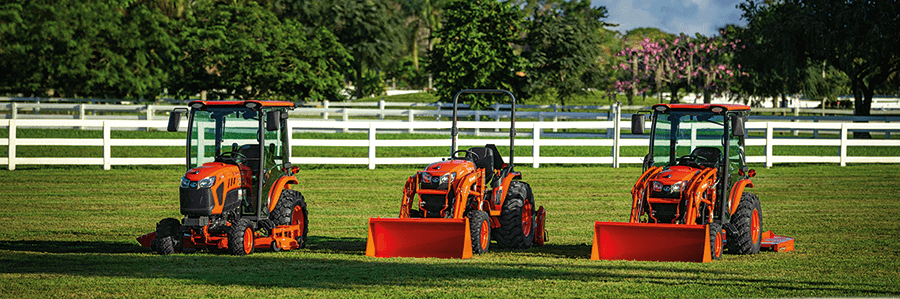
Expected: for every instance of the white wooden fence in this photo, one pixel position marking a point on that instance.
(372, 143)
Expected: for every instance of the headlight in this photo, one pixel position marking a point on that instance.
(446, 179)
(426, 178)
(658, 189)
(207, 182)
(185, 183)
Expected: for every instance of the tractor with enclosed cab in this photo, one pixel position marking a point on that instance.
(239, 192)
(690, 203)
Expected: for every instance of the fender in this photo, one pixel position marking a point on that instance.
(736, 191)
(280, 184)
(501, 191)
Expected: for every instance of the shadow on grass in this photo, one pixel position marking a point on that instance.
(348, 269)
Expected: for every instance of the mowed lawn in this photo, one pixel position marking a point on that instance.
(70, 232)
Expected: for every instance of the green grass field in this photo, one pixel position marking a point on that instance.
(70, 232)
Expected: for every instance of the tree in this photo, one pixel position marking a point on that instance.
(86, 49)
(476, 49)
(855, 36)
(563, 47)
(237, 51)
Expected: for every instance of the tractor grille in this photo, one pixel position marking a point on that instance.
(433, 202)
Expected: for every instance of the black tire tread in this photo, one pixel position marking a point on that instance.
(511, 234)
(281, 215)
(476, 217)
(236, 237)
(740, 241)
(168, 237)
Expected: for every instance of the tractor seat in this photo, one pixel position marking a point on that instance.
(489, 159)
(251, 151)
(711, 154)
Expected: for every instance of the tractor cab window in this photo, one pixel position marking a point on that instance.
(231, 134)
(694, 133)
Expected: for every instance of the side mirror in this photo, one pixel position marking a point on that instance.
(273, 119)
(175, 119)
(637, 124)
(737, 125)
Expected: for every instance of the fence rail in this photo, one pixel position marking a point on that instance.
(537, 139)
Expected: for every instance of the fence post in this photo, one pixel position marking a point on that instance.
(555, 115)
(381, 107)
(497, 116)
(616, 135)
(290, 141)
(439, 110)
(15, 110)
(371, 145)
(81, 113)
(346, 118)
(325, 104)
(770, 133)
(477, 118)
(844, 133)
(411, 120)
(106, 146)
(149, 113)
(11, 147)
(796, 119)
(536, 148)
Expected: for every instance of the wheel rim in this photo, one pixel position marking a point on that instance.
(248, 240)
(754, 226)
(526, 219)
(485, 236)
(297, 217)
(718, 248)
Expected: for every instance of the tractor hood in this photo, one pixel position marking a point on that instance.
(218, 169)
(669, 182)
(440, 175)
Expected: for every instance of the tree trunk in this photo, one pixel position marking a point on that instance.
(862, 106)
(674, 90)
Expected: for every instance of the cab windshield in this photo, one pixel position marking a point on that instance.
(679, 134)
(222, 131)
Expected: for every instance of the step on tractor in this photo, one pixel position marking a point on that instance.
(690, 203)
(455, 207)
(239, 192)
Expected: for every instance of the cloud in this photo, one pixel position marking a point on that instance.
(673, 16)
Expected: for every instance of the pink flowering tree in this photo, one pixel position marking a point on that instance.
(697, 64)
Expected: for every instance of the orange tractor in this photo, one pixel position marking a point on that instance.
(455, 207)
(238, 192)
(690, 203)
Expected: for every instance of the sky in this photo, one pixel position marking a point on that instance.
(673, 16)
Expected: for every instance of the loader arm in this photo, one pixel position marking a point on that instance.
(409, 192)
(471, 184)
(639, 194)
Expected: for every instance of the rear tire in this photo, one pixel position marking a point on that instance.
(240, 237)
(517, 218)
(290, 210)
(716, 239)
(480, 229)
(168, 237)
(747, 220)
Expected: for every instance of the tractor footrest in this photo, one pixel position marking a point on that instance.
(776, 243)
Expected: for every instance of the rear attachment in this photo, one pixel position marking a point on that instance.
(650, 242)
(776, 243)
(419, 237)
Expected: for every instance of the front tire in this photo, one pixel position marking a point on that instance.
(747, 220)
(168, 237)
(716, 240)
(240, 237)
(517, 218)
(291, 210)
(480, 229)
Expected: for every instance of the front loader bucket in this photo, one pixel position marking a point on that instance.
(650, 242)
(419, 237)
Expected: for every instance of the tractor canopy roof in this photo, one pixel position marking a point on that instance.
(715, 108)
(252, 104)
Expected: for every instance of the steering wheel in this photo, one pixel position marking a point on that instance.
(692, 159)
(468, 153)
(233, 156)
